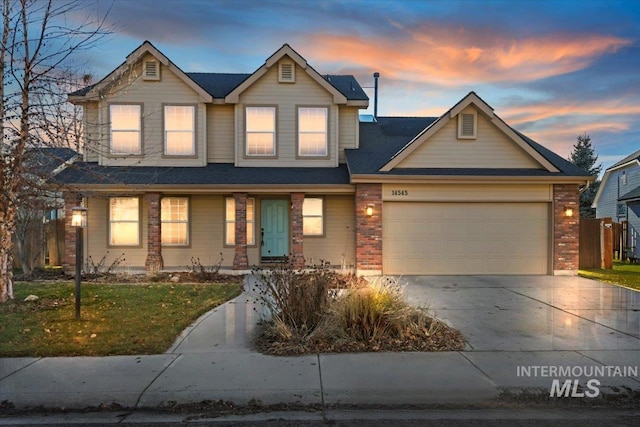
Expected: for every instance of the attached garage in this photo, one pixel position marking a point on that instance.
(480, 235)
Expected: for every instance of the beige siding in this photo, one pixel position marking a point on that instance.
(153, 95)
(338, 244)
(467, 193)
(220, 133)
(491, 149)
(286, 97)
(98, 230)
(206, 235)
(92, 147)
(465, 238)
(349, 124)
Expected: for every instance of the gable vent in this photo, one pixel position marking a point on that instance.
(467, 124)
(151, 70)
(287, 73)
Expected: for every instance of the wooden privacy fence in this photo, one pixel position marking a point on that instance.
(590, 243)
(598, 239)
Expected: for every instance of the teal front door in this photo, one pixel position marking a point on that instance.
(275, 229)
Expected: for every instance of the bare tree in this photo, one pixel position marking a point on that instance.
(37, 48)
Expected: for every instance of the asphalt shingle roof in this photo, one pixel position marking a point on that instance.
(633, 194)
(43, 161)
(630, 157)
(380, 140)
(212, 174)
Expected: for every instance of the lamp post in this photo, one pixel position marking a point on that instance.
(79, 221)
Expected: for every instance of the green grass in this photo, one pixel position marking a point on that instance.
(622, 274)
(116, 318)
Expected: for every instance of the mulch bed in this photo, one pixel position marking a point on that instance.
(445, 339)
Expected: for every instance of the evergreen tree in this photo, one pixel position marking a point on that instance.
(584, 156)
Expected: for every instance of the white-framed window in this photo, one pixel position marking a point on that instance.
(623, 178)
(312, 131)
(124, 221)
(230, 221)
(622, 210)
(126, 127)
(174, 221)
(313, 216)
(260, 131)
(467, 125)
(179, 130)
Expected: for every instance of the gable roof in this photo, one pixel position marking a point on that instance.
(221, 85)
(47, 161)
(133, 58)
(470, 99)
(381, 140)
(627, 161)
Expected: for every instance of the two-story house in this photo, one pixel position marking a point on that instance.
(618, 198)
(276, 163)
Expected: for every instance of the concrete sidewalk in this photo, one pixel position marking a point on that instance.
(212, 360)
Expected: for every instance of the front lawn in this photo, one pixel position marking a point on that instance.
(116, 318)
(622, 274)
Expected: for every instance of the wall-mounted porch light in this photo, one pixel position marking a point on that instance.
(369, 210)
(568, 211)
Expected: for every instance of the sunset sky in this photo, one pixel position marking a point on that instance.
(551, 69)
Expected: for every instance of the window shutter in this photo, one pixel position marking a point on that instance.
(151, 70)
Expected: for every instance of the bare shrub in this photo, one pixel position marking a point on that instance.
(296, 300)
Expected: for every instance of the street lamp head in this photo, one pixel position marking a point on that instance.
(78, 216)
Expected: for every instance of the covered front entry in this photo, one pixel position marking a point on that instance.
(465, 238)
(274, 233)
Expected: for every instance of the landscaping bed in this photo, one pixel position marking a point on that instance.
(319, 311)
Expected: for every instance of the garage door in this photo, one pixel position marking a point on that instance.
(465, 238)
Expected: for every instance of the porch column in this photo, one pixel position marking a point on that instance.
(240, 260)
(369, 229)
(69, 256)
(154, 262)
(297, 241)
(566, 230)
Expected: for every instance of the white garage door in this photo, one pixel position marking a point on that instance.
(465, 238)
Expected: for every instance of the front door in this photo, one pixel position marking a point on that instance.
(275, 229)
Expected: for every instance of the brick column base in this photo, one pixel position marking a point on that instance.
(297, 234)
(69, 257)
(369, 229)
(154, 262)
(566, 230)
(240, 260)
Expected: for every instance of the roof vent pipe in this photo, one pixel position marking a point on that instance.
(375, 94)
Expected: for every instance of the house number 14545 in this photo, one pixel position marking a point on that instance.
(399, 192)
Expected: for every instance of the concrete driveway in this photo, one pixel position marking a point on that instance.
(532, 313)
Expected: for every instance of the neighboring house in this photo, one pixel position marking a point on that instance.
(618, 198)
(277, 163)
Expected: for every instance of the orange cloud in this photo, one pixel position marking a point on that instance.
(443, 56)
(535, 112)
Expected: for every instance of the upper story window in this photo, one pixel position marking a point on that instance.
(124, 221)
(230, 221)
(312, 131)
(623, 178)
(179, 130)
(174, 220)
(125, 129)
(313, 216)
(260, 131)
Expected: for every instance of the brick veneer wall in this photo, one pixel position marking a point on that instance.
(69, 260)
(297, 240)
(369, 228)
(240, 260)
(154, 261)
(566, 230)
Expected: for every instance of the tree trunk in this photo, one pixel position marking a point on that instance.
(7, 221)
